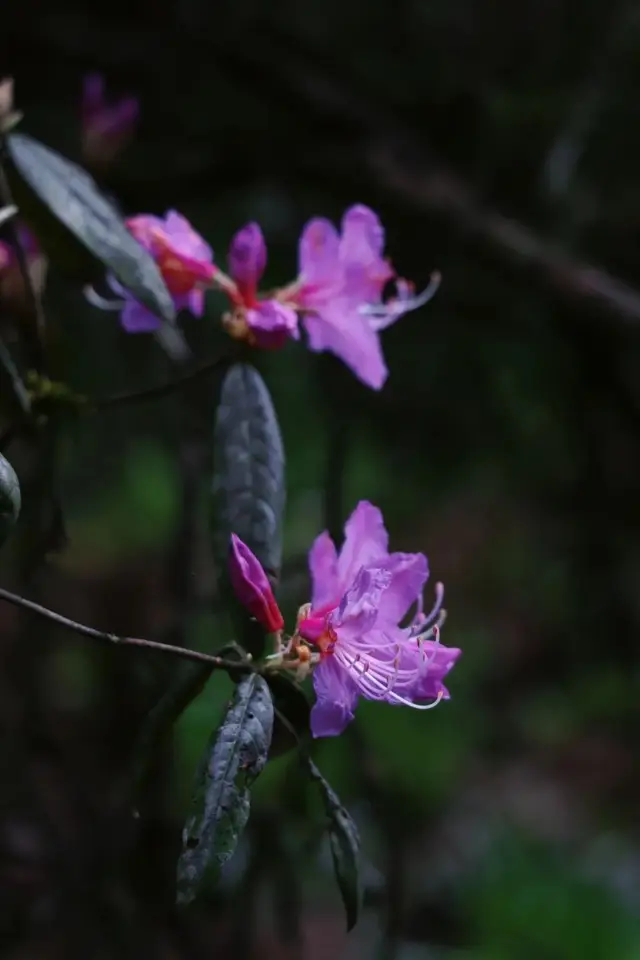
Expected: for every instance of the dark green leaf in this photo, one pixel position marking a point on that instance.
(220, 807)
(248, 489)
(10, 499)
(248, 483)
(345, 847)
(291, 705)
(77, 225)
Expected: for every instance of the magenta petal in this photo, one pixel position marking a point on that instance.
(336, 701)
(347, 334)
(366, 541)
(135, 318)
(248, 256)
(361, 246)
(358, 610)
(409, 573)
(430, 685)
(323, 567)
(272, 324)
(319, 262)
(362, 234)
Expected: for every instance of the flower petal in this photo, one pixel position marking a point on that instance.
(319, 262)
(409, 573)
(323, 567)
(336, 699)
(365, 542)
(358, 610)
(135, 318)
(248, 258)
(361, 246)
(344, 332)
(272, 324)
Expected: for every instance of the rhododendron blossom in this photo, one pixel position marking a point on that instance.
(359, 599)
(184, 260)
(339, 291)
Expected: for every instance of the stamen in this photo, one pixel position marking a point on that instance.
(421, 621)
(96, 300)
(384, 314)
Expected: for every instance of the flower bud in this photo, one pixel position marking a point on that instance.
(251, 586)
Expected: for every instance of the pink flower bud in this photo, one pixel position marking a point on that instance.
(251, 586)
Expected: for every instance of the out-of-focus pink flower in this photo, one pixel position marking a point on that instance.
(359, 598)
(251, 586)
(12, 287)
(263, 322)
(339, 291)
(106, 127)
(185, 261)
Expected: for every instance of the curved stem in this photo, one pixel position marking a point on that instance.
(85, 631)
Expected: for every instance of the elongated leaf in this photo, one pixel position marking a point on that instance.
(10, 499)
(78, 225)
(345, 847)
(221, 804)
(248, 484)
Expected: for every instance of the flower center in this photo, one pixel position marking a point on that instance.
(317, 630)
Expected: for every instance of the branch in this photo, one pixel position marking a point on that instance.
(83, 630)
(159, 390)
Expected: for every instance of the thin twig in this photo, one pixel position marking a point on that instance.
(159, 390)
(85, 631)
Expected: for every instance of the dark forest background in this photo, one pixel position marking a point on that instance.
(500, 143)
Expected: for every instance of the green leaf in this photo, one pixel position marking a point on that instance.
(233, 759)
(248, 482)
(78, 227)
(10, 499)
(248, 489)
(292, 706)
(345, 847)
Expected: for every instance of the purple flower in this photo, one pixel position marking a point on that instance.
(339, 291)
(263, 322)
(106, 127)
(251, 586)
(185, 261)
(359, 598)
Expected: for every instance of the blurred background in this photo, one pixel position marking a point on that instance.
(500, 144)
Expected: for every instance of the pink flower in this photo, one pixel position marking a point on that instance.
(185, 261)
(261, 321)
(359, 598)
(339, 291)
(106, 127)
(251, 586)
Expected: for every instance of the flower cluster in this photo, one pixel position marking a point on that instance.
(337, 296)
(350, 635)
